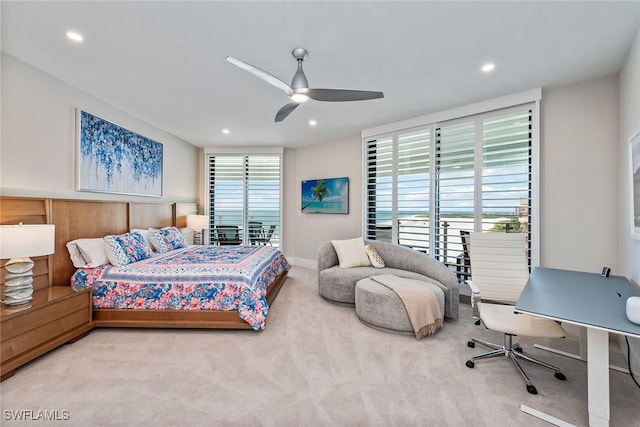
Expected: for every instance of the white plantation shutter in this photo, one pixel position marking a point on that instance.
(506, 172)
(244, 189)
(226, 190)
(379, 205)
(413, 188)
(398, 193)
(427, 187)
(455, 187)
(263, 193)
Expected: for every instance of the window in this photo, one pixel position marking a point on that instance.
(244, 198)
(398, 180)
(427, 187)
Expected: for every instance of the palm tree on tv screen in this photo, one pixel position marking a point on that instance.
(318, 192)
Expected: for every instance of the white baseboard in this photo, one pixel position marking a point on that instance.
(303, 262)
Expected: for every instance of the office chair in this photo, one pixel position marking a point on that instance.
(499, 272)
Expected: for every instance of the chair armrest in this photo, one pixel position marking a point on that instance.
(475, 299)
(473, 287)
(327, 256)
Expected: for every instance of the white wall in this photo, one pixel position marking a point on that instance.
(307, 231)
(579, 178)
(629, 124)
(37, 152)
(629, 88)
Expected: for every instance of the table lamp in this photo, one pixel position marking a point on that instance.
(198, 223)
(18, 243)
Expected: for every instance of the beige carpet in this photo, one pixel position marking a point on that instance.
(315, 364)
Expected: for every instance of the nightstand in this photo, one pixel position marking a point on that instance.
(56, 315)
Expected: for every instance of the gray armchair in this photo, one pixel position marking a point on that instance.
(338, 284)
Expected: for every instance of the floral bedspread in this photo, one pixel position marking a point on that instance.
(193, 278)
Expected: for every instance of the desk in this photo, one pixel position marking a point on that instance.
(590, 300)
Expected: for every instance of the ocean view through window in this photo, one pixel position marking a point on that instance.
(244, 198)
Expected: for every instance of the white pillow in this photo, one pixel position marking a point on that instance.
(87, 253)
(351, 253)
(74, 253)
(92, 250)
(188, 235)
(374, 256)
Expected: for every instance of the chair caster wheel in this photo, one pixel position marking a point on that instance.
(471, 344)
(560, 376)
(477, 322)
(532, 389)
(518, 349)
(470, 364)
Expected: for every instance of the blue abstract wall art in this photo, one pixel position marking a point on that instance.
(112, 159)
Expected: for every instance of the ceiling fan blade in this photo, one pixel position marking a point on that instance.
(285, 111)
(339, 95)
(267, 77)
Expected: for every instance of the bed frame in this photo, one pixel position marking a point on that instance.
(76, 219)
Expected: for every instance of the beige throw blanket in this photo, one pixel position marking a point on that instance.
(421, 304)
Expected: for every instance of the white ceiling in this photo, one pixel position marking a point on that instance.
(164, 62)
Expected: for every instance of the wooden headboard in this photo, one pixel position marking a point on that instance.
(76, 219)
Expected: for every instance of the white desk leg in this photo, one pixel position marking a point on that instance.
(598, 376)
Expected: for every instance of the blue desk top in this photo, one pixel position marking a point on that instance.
(583, 298)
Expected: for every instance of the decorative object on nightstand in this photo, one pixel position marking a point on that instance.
(198, 223)
(19, 242)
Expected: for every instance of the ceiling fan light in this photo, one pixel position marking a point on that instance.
(299, 97)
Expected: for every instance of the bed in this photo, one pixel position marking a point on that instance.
(75, 219)
(221, 278)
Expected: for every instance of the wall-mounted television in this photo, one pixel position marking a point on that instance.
(326, 195)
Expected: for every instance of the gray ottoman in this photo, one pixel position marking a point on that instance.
(380, 308)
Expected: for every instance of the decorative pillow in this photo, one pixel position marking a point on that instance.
(351, 253)
(374, 256)
(92, 250)
(126, 248)
(166, 239)
(145, 234)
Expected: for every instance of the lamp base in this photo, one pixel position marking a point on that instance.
(19, 281)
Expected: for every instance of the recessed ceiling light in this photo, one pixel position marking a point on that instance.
(312, 123)
(76, 37)
(225, 131)
(489, 66)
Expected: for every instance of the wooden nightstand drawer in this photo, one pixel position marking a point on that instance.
(35, 336)
(55, 316)
(31, 320)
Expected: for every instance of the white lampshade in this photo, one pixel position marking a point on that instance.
(197, 222)
(18, 241)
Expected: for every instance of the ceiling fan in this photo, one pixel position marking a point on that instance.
(299, 90)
